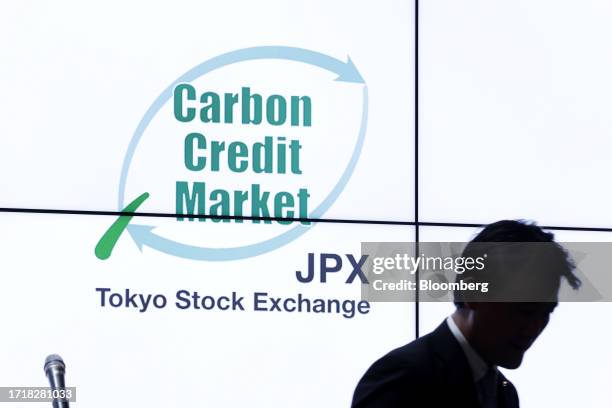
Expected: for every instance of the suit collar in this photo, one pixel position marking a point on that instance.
(453, 365)
(477, 364)
(456, 371)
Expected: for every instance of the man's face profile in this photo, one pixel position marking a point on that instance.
(503, 331)
(525, 282)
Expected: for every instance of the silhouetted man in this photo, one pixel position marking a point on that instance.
(456, 364)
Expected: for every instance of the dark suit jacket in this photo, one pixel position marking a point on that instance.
(431, 371)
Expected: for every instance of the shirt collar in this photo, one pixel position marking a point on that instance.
(477, 364)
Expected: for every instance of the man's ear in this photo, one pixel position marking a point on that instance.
(461, 298)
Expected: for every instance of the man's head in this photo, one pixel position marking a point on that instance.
(524, 267)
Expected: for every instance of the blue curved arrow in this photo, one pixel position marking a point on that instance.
(143, 235)
(346, 71)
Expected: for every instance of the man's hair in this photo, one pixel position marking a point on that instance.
(512, 231)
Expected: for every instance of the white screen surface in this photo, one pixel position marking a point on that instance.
(187, 357)
(79, 81)
(514, 111)
(513, 124)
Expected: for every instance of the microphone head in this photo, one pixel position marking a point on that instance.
(54, 361)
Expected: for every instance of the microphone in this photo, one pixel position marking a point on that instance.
(55, 370)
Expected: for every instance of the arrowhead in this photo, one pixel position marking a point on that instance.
(139, 233)
(350, 73)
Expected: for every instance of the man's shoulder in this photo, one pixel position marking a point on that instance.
(411, 359)
(391, 380)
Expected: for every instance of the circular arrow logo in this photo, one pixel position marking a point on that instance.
(280, 111)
